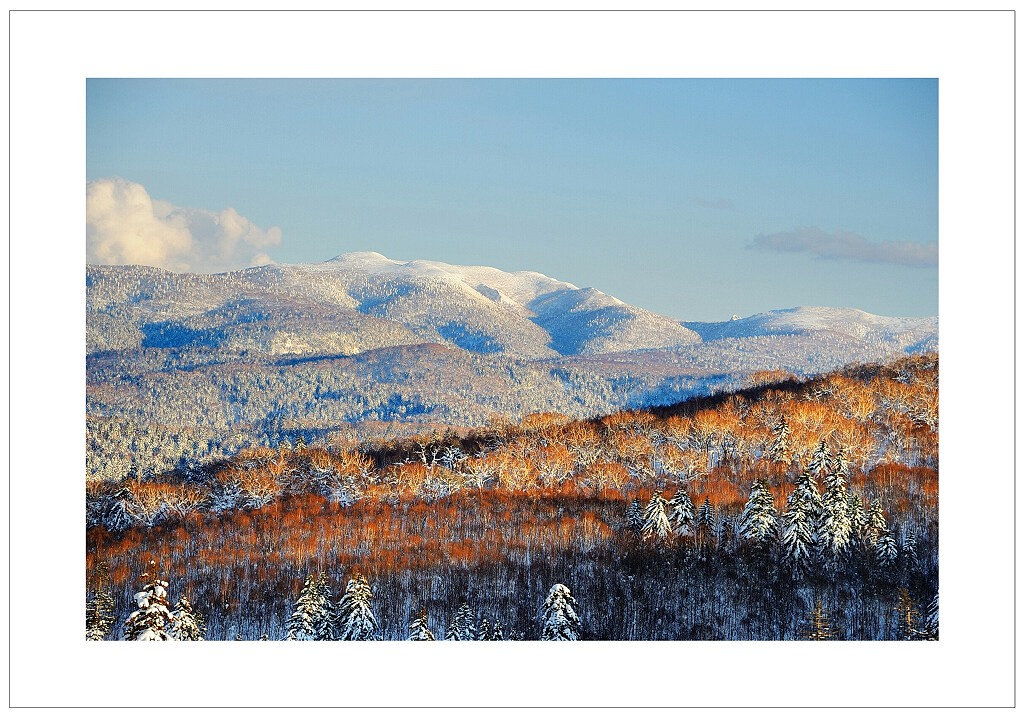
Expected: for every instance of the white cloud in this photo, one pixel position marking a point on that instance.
(845, 245)
(124, 225)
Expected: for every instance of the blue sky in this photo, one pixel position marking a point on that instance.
(696, 199)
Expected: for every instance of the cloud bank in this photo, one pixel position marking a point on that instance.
(124, 225)
(844, 245)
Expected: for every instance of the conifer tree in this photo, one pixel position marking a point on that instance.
(418, 630)
(681, 513)
(497, 631)
(355, 617)
(463, 625)
(99, 608)
(123, 511)
(325, 617)
(886, 551)
(310, 614)
(778, 451)
(188, 624)
(876, 524)
(559, 620)
(821, 459)
(760, 519)
(300, 443)
(152, 621)
(908, 548)
(634, 520)
(930, 620)
(655, 523)
(799, 520)
(835, 527)
(484, 633)
(705, 521)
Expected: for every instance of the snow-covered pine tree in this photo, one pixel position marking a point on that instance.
(858, 519)
(325, 617)
(681, 513)
(99, 608)
(188, 623)
(821, 459)
(463, 625)
(123, 511)
(705, 522)
(798, 523)
(930, 620)
(656, 523)
(908, 548)
(886, 551)
(310, 613)
(876, 521)
(778, 450)
(300, 443)
(835, 527)
(484, 633)
(355, 618)
(634, 519)
(497, 631)
(759, 521)
(559, 619)
(418, 630)
(152, 621)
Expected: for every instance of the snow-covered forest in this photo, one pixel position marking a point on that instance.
(786, 510)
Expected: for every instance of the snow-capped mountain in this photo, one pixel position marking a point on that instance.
(364, 300)
(906, 333)
(365, 340)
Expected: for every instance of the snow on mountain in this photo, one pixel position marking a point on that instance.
(804, 320)
(364, 300)
(476, 308)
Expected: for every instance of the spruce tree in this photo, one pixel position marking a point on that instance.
(325, 617)
(655, 523)
(681, 513)
(705, 521)
(886, 551)
(463, 625)
(559, 620)
(418, 630)
(307, 619)
(634, 520)
(930, 620)
(760, 519)
(123, 511)
(188, 623)
(99, 608)
(799, 520)
(835, 527)
(778, 450)
(355, 617)
(152, 622)
(876, 524)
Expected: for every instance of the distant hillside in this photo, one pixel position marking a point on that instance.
(320, 349)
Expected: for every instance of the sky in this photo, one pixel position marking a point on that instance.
(696, 199)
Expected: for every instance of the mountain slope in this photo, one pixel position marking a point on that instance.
(363, 300)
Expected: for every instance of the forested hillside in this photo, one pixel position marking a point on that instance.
(789, 509)
(183, 369)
